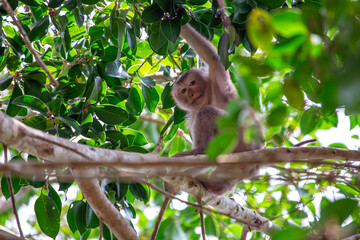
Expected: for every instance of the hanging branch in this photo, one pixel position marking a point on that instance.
(12, 196)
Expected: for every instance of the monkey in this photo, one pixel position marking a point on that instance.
(204, 93)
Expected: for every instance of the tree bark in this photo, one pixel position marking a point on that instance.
(15, 134)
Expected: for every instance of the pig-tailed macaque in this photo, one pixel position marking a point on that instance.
(204, 93)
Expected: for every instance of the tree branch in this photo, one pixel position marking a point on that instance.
(16, 134)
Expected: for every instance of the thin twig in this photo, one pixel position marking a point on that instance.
(101, 226)
(224, 18)
(201, 212)
(150, 119)
(174, 61)
(142, 64)
(12, 196)
(26, 39)
(158, 145)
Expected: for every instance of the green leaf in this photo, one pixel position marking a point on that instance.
(223, 49)
(5, 81)
(80, 216)
(13, 4)
(293, 93)
(249, 46)
(292, 233)
(288, 23)
(171, 229)
(148, 81)
(116, 137)
(64, 184)
(166, 97)
(92, 221)
(129, 210)
(12, 109)
(166, 5)
(152, 14)
(16, 184)
(134, 137)
(151, 97)
(36, 89)
(139, 191)
(73, 90)
(197, 2)
(273, 91)
(167, 125)
(272, 4)
(308, 121)
(38, 122)
(222, 144)
(157, 40)
(79, 15)
(118, 29)
(260, 29)
(55, 3)
(277, 116)
(131, 37)
(133, 104)
(116, 69)
(90, 2)
(47, 215)
(242, 6)
(31, 102)
(54, 196)
(71, 217)
(96, 31)
(13, 63)
(211, 226)
(171, 29)
(137, 149)
(110, 54)
(40, 29)
(339, 209)
(94, 90)
(110, 114)
(121, 92)
(179, 115)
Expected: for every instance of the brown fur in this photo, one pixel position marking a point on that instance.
(213, 89)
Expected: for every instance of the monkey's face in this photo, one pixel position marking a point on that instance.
(191, 93)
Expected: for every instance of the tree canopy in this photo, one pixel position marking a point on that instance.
(100, 72)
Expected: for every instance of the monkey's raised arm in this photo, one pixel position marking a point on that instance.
(219, 77)
(200, 44)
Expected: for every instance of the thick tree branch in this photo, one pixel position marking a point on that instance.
(14, 133)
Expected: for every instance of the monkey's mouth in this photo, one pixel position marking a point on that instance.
(197, 98)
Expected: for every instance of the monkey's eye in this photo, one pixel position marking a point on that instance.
(192, 83)
(183, 90)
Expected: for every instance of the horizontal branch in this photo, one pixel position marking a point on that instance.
(16, 134)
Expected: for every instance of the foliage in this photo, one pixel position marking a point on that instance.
(296, 62)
